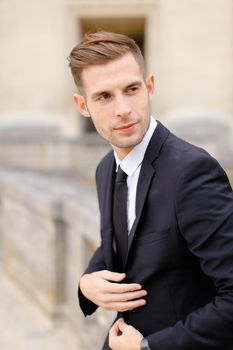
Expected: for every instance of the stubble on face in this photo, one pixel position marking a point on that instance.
(129, 140)
(123, 118)
(121, 139)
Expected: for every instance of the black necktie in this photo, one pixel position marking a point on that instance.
(120, 215)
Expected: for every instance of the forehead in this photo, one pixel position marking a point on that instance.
(112, 74)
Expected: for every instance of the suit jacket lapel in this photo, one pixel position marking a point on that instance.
(147, 172)
(106, 215)
(146, 175)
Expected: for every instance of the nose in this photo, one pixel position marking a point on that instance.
(122, 107)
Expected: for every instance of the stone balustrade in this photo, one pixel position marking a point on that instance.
(48, 231)
(49, 228)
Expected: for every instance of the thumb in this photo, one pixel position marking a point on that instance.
(122, 325)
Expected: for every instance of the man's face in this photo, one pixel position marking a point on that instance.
(117, 100)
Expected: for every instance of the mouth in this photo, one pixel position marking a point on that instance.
(126, 127)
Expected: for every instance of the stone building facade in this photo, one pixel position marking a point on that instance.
(187, 44)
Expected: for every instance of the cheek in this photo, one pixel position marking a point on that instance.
(141, 104)
(100, 125)
(101, 118)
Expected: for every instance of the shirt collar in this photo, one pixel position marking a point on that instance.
(134, 159)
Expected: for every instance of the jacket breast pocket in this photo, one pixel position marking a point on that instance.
(151, 237)
(150, 253)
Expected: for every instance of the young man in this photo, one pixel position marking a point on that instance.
(171, 280)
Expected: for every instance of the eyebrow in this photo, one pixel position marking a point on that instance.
(137, 82)
(99, 93)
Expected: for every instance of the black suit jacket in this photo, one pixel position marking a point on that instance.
(180, 246)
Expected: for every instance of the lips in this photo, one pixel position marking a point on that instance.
(125, 127)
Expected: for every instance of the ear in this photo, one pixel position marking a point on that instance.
(150, 83)
(80, 102)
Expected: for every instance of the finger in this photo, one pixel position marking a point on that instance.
(124, 306)
(117, 297)
(114, 331)
(123, 287)
(111, 276)
(122, 325)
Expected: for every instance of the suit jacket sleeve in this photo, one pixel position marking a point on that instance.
(95, 264)
(204, 209)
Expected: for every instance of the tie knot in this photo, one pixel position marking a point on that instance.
(121, 175)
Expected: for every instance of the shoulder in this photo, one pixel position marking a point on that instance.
(104, 164)
(181, 160)
(171, 149)
(185, 154)
(194, 166)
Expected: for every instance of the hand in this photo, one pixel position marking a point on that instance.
(124, 337)
(104, 289)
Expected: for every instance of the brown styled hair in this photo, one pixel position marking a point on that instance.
(99, 48)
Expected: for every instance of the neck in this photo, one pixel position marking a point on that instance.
(122, 152)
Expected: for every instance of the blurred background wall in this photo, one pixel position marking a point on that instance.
(48, 152)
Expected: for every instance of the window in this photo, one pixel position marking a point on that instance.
(132, 26)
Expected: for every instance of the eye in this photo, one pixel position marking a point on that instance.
(103, 97)
(132, 89)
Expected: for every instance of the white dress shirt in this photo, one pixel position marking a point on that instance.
(131, 165)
